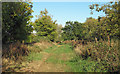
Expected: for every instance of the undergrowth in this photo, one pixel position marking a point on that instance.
(12, 56)
(15, 51)
(80, 65)
(101, 52)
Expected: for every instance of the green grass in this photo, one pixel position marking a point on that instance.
(50, 49)
(75, 63)
(34, 56)
(54, 60)
(64, 55)
(63, 49)
(79, 65)
(58, 53)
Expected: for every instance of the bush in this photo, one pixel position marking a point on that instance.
(100, 51)
(15, 50)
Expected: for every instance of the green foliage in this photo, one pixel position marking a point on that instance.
(93, 56)
(15, 21)
(91, 29)
(103, 27)
(73, 31)
(44, 26)
(29, 38)
(103, 53)
(78, 65)
(111, 21)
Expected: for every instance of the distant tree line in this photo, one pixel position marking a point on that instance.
(106, 27)
(16, 24)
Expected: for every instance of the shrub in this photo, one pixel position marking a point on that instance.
(100, 51)
(15, 50)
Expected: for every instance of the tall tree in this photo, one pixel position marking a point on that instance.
(67, 31)
(112, 18)
(73, 30)
(15, 21)
(45, 26)
(91, 28)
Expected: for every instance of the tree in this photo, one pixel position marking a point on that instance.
(45, 27)
(78, 30)
(112, 18)
(92, 27)
(15, 21)
(67, 31)
(73, 31)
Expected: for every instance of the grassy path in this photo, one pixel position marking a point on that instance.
(52, 59)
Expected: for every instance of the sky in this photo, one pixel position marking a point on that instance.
(66, 11)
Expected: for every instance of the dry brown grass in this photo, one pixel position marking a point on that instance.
(14, 50)
(40, 46)
(13, 54)
(44, 44)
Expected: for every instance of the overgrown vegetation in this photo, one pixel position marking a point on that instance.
(92, 46)
(16, 21)
(102, 36)
(15, 51)
(101, 52)
(79, 65)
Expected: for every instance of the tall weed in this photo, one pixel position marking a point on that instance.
(15, 50)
